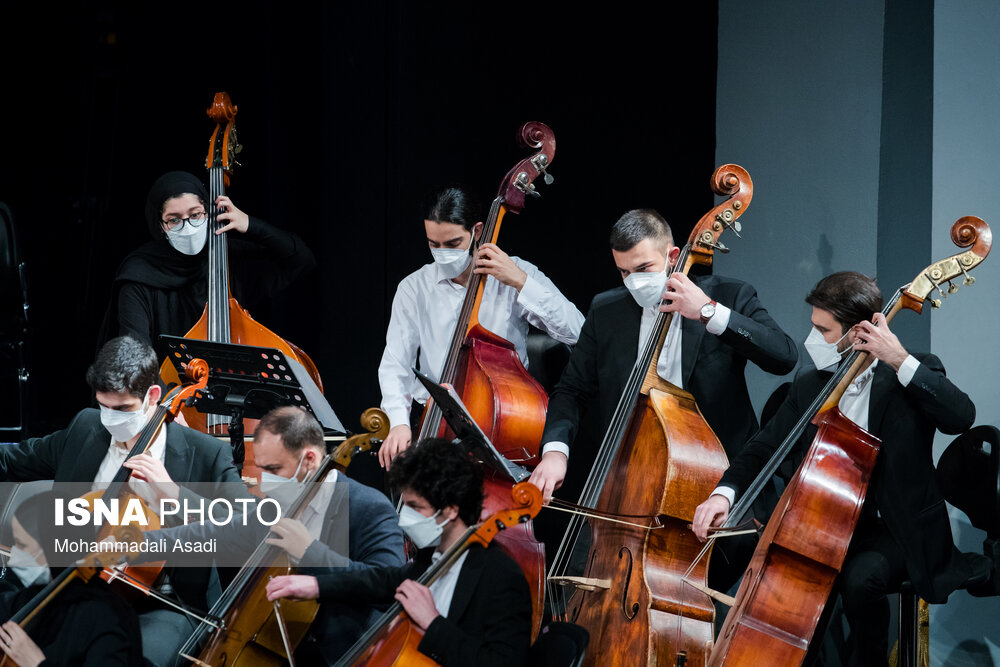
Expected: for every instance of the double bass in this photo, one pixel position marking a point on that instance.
(803, 547)
(508, 404)
(658, 459)
(394, 639)
(224, 320)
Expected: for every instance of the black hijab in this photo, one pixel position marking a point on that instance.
(156, 264)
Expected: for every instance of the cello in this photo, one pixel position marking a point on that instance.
(656, 461)
(803, 547)
(223, 319)
(394, 639)
(251, 630)
(484, 369)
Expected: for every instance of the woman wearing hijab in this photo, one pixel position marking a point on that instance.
(87, 624)
(162, 286)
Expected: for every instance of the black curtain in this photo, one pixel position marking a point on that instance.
(349, 113)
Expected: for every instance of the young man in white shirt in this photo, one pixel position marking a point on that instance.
(426, 307)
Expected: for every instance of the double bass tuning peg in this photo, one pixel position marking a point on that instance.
(540, 162)
(524, 184)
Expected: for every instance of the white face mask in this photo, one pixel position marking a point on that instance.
(283, 489)
(823, 354)
(123, 426)
(26, 567)
(424, 531)
(452, 261)
(647, 287)
(190, 237)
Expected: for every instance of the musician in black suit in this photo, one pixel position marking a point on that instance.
(478, 612)
(904, 531)
(346, 527)
(722, 326)
(95, 445)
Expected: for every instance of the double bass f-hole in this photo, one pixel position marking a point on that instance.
(628, 581)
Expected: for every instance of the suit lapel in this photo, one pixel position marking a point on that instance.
(177, 455)
(468, 579)
(882, 380)
(691, 334)
(90, 456)
(627, 342)
(340, 493)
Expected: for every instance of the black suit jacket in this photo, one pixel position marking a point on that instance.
(488, 623)
(74, 454)
(374, 541)
(712, 366)
(903, 484)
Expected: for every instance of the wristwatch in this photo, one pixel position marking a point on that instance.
(708, 311)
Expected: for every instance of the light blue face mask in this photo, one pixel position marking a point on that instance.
(422, 530)
(283, 489)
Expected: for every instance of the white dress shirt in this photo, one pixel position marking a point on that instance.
(668, 365)
(118, 452)
(853, 404)
(443, 589)
(424, 315)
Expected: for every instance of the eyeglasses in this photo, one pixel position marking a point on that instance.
(195, 219)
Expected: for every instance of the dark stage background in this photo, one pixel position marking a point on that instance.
(349, 114)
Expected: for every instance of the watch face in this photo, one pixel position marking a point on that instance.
(707, 310)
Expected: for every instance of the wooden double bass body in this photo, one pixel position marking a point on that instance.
(224, 319)
(803, 547)
(658, 460)
(506, 402)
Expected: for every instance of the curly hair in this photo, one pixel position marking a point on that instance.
(443, 474)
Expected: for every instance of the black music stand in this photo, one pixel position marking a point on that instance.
(246, 382)
(467, 430)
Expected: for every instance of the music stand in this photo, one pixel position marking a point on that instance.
(246, 382)
(468, 431)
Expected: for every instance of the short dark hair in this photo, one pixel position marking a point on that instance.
(296, 427)
(454, 205)
(441, 472)
(124, 364)
(638, 225)
(849, 296)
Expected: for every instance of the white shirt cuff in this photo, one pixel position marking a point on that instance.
(726, 492)
(907, 369)
(555, 446)
(397, 417)
(718, 322)
(531, 295)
